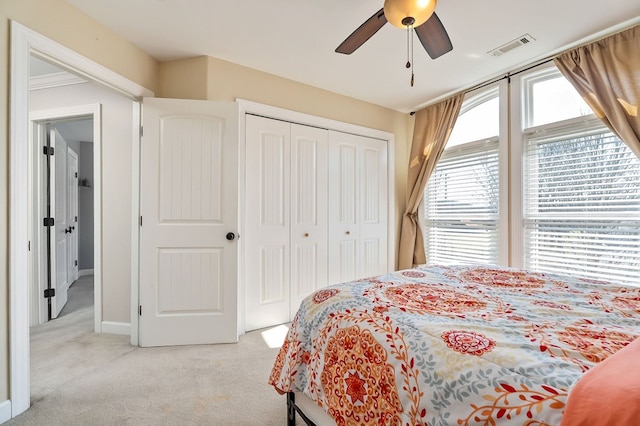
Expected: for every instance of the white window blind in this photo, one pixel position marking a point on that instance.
(462, 206)
(582, 203)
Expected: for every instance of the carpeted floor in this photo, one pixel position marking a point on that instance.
(82, 378)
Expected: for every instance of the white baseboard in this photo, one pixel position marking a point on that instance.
(122, 328)
(83, 272)
(5, 411)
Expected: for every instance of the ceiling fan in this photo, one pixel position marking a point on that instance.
(416, 14)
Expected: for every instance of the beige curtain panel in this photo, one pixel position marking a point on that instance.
(606, 73)
(431, 131)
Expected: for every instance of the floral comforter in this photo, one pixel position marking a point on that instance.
(453, 345)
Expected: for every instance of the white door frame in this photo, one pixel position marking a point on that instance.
(95, 112)
(25, 41)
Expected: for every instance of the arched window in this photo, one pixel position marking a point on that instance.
(462, 198)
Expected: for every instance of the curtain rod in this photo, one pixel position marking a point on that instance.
(594, 38)
(508, 75)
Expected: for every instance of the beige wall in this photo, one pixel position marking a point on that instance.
(226, 82)
(197, 78)
(63, 23)
(184, 79)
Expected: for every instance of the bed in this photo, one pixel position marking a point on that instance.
(450, 346)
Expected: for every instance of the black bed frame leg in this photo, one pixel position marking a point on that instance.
(291, 409)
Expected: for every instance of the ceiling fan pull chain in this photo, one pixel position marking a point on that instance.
(410, 51)
(408, 65)
(411, 38)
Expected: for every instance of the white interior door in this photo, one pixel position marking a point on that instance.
(72, 215)
(60, 230)
(286, 218)
(358, 207)
(189, 221)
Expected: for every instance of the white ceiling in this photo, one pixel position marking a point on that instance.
(296, 39)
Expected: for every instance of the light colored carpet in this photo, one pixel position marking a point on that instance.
(82, 378)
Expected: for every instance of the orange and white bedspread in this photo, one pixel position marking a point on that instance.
(453, 345)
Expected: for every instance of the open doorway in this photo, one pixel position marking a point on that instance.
(62, 224)
(121, 184)
(64, 200)
(62, 188)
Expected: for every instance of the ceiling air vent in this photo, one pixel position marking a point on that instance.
(520, 41)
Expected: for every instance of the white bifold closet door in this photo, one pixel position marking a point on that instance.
(285, 236)
(358, 207)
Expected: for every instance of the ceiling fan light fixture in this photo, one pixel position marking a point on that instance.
(397, 12)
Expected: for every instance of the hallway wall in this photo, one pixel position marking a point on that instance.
(85, 207)
(117, 130)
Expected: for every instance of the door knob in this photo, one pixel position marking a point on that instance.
(231, 236)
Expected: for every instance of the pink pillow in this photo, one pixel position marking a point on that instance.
(609, 393)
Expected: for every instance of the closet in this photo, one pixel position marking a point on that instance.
(315, 214)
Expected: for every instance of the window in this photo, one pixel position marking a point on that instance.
(572, 197)
(462, 197)
(551, 98)
(581, 189)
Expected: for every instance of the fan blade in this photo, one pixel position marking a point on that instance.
(363, 33)
(434, 37)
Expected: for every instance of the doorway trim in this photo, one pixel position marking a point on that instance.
(25, 41)
(95, 112)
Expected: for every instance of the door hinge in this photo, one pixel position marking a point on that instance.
(49, 221)
(48, 150)
(141, 131)
(139, 310)
(76, 218)
(76, 263)
(140, 220)
(28, 245)
(76, 174)
(49, 293)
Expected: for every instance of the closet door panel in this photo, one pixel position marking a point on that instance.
(358, 205)
(309, 152)
(344, 179)
(267, 223)
(373, 216)
(345, 263)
